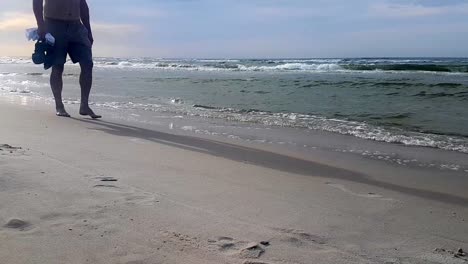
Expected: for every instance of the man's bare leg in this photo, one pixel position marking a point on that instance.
(56, 83)
(86, 82)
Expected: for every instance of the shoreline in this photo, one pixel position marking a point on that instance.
(117, 191)
(298, 142)
(234, 96)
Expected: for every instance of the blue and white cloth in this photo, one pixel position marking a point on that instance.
(32, 35)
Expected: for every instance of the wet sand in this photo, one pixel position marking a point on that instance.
(82, 191)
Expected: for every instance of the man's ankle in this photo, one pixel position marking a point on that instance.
(59, 105)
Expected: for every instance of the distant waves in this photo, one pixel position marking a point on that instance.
(436, 65)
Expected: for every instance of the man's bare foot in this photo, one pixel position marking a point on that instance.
(86, 111)
(62, 112)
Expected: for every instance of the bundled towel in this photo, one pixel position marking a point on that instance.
(44, 48)
(43, 54)
(32, 35)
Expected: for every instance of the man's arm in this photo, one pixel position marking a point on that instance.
(38, 8)
(84, 11)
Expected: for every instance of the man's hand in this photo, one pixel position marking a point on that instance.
(90, 36)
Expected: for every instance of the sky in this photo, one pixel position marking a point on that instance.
(260, 28)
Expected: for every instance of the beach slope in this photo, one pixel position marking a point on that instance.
(82, 191)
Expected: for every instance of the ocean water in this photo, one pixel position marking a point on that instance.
(407, 101)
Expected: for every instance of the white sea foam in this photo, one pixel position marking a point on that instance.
(13, 60)
(8, 74)
(21, 91)
(177, 101)
(301, 67)
(216, 61)
(15, 86)
(283, 65)
(313, 61)
(276, 66)
(353, 128)
(125, 64)
(326, 67)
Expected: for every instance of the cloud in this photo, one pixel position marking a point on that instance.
(16, 21)
(115, 38)
(108, 35)
(116, 29)
(7, 49)
(142, 12)
(415, 10)
(288, 12)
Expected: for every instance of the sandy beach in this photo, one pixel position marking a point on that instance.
(82, 191)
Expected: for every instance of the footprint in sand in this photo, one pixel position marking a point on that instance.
(6, 149)
(299, 238)
(241, 249)
(252, 250)
(105, 186)
(107, 179)
(131, 195)
(105, 183)
(17, 224)
(369, 195)
(459, 254)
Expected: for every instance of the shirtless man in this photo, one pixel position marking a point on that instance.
(68, 22)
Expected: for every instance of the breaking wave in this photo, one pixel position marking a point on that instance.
(435, 65)
(358, 129)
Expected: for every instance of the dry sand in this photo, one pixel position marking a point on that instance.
(82, 191)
